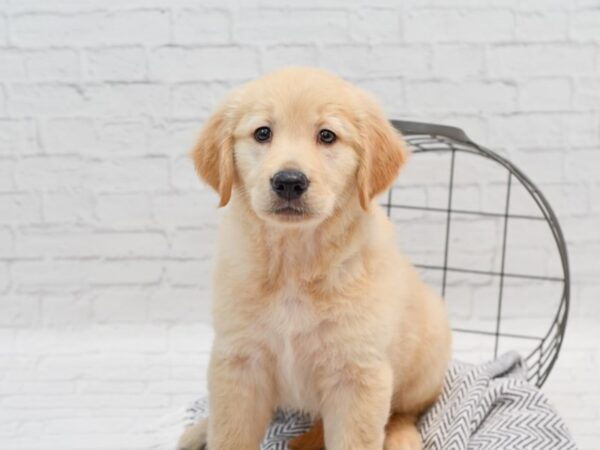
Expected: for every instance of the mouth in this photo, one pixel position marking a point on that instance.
(289, 210)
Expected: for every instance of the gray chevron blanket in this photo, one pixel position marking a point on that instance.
(490, 406)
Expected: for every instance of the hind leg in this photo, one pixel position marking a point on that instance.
(401, 433)
(194, 437)
(313, 439)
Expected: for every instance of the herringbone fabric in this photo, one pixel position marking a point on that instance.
(486, 407)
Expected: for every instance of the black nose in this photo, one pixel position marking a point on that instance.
(289, 184)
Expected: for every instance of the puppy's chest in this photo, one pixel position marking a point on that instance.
(293, 336)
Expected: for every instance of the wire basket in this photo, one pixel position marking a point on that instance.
(505, 320)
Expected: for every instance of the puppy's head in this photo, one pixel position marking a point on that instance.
(298, 144)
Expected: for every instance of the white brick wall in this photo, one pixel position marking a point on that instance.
(106, 235)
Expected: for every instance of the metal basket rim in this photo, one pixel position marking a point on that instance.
(458, 136)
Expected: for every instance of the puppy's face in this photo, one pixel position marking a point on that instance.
(294, 148)
(298, 144)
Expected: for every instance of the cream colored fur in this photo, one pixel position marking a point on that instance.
(318, 312)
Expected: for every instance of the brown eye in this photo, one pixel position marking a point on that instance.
(262, 134)
(327, 136)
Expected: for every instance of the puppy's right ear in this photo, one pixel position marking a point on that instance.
(213, 154)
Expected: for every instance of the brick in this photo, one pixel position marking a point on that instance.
(595, 195)
(62, 310)
(42, 29)
(83, 402)
(389, 93)
(194, 99)
(128, 245)
(4, 276)
(549, 94)
(188, 273)
(174, 137)
(72, 207)
(34, 274)
(358, 61)
(186, 209)
(201, 26)
(77, 243)
(122, 272)
(43, 242)
(127, 175)
(103, 367)
(3, 102)
(128, 99)
(193, 243)
(124, 210)
(203, 64)
(69, 135)
(582, 165)
(450, 25)
(458, 61)
(361, 25)
(584, 261)
(18, 310)
(41, 172)
(318, 5)
(392, 60)
(116, 64)
(183, 175)
(3, 30)
(584, 25)
(19, 207)
(541, 26)
(544, 166)
(7, 243)
(7, 341)
(288, 55)
(348, 61)
(101, 137)
(291, 27)
(590, 301)
(43, 99)
(566, 199)
(53, 65)
(540, 59)
(178, 304)
(120, 305)
(12, 65)
(472, 96)
(544, 129)
(587, 93)
(578, 229)
(107, 387)
(130, 338)
(196, 338)
(7, 168)
(17, 136)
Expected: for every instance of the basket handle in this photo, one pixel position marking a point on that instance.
(412, 128)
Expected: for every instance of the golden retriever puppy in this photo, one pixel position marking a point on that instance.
(314, 307)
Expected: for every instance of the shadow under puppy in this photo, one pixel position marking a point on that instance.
(314, 309)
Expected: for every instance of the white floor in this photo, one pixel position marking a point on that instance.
(106, 387)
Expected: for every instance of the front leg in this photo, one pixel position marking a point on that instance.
(356, 406)
(241, 400)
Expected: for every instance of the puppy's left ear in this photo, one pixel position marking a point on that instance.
(383, 153)
(213, 154)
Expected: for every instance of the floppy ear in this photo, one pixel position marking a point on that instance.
(213, 155)
(383, 153)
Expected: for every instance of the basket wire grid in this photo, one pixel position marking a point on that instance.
(424, 138)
